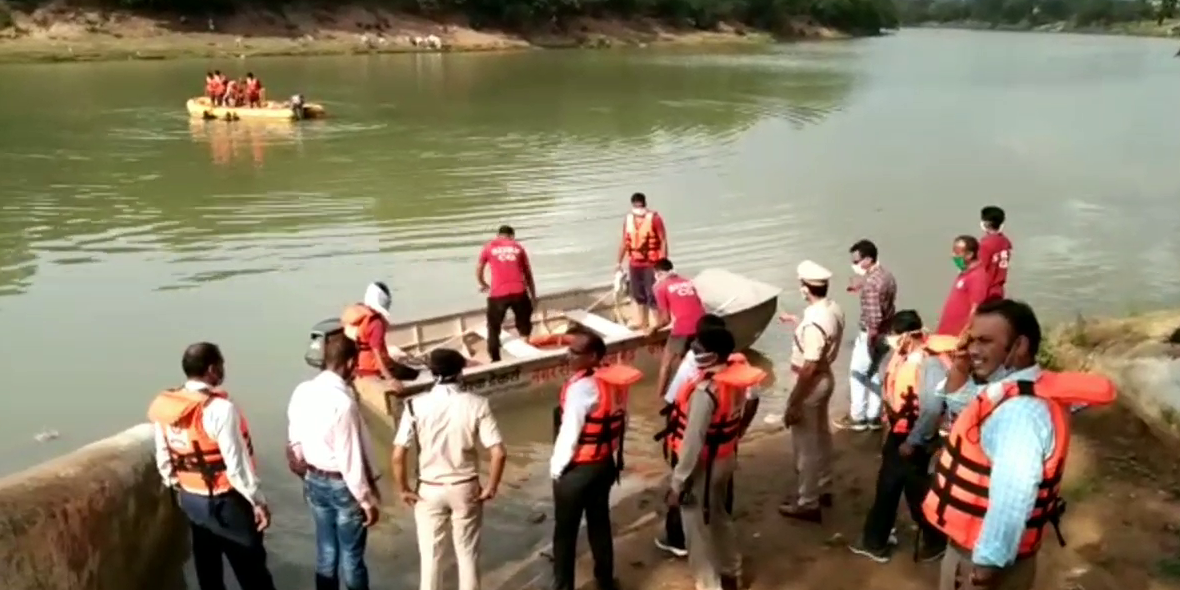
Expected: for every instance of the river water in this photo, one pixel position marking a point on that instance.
(127, 233)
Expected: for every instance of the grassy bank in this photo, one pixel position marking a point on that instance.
(1149, 18)
(58, 31)
(1122, 484)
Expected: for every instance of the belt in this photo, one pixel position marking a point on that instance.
(449, 483)
(324, 473)
(823, 367)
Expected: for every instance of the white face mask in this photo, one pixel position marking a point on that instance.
(805, 293)
(859, 270)
(639, 211)
(986, 230)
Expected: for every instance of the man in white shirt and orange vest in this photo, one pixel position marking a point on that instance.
(711, 413)
(817, 340)
(203, 451)
(326, 446)
(644, 242)
(590, 422)
(446, 425)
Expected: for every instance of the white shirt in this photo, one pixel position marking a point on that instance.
(222, 423)
(446, 424)
(686, 370)
(581, 398)
(325, 430)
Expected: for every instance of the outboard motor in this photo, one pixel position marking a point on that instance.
(297, 111)
(320, 332)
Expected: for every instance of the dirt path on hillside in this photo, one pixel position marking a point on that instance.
(1122, 485)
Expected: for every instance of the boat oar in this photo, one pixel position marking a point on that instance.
(420, 358)
(721, 308)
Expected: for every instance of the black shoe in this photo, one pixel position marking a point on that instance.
(878, 555)
(825, 500)
(927, 553)
(611, 585)
(798, 512)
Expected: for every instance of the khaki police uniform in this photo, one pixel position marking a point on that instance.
(817, 339)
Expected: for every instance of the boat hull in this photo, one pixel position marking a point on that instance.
(747, 306)
(200, 108)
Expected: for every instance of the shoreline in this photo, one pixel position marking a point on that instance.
(1146, 29)
(78, 35)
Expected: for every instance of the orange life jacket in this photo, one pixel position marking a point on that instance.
(253, 85)
(903, 381)
(958, 497)
(355, 320)
(603, 431)
(196, 458)
(728, 390)
(643, 244)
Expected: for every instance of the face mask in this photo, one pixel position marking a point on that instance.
(983, 226)
(639, 211)
(704, 359)
(804, 293)
(960, 263)
(858, 269)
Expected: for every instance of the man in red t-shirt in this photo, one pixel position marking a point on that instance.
(995, 250)
(644, 242)
(968, 291)
(678, 304)
(511, 287)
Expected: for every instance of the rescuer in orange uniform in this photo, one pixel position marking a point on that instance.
(709, 416)
(644, 242)
(589, 423)
(203, 451)
(914, 368)
(377, 373)
(997, 481)
(255, 94)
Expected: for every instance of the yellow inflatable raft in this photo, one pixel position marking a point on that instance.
(201, 108)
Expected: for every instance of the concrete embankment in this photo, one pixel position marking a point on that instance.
(1142, 355)
(95, 519)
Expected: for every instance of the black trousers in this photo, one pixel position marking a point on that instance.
(522, 314)
(583, 489)
(900, 476)
(223, 526)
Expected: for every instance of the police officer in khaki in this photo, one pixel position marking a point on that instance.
(818, 335)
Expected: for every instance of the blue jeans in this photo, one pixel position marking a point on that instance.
(340, 534)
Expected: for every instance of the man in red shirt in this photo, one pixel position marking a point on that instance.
(678, 304)
(644, 242)
(969, 290)
(995, 250)
(512, 286)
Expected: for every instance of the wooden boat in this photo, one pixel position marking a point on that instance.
(747, 305)
(201, 108)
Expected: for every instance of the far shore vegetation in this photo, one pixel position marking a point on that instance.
(281, 27)
(1128, 17)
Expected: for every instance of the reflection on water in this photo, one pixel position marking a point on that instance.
(141, 231)
(244, 141)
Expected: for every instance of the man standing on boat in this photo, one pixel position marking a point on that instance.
(818, 336)
(878, 290)
(446, 424)
(678, 304)
(644, 242)
(366, 324)
(590, 422)
(995, 250)
(203, 451)
(511, 288)
(326, 446)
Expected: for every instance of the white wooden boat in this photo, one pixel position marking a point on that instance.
(747, 305)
